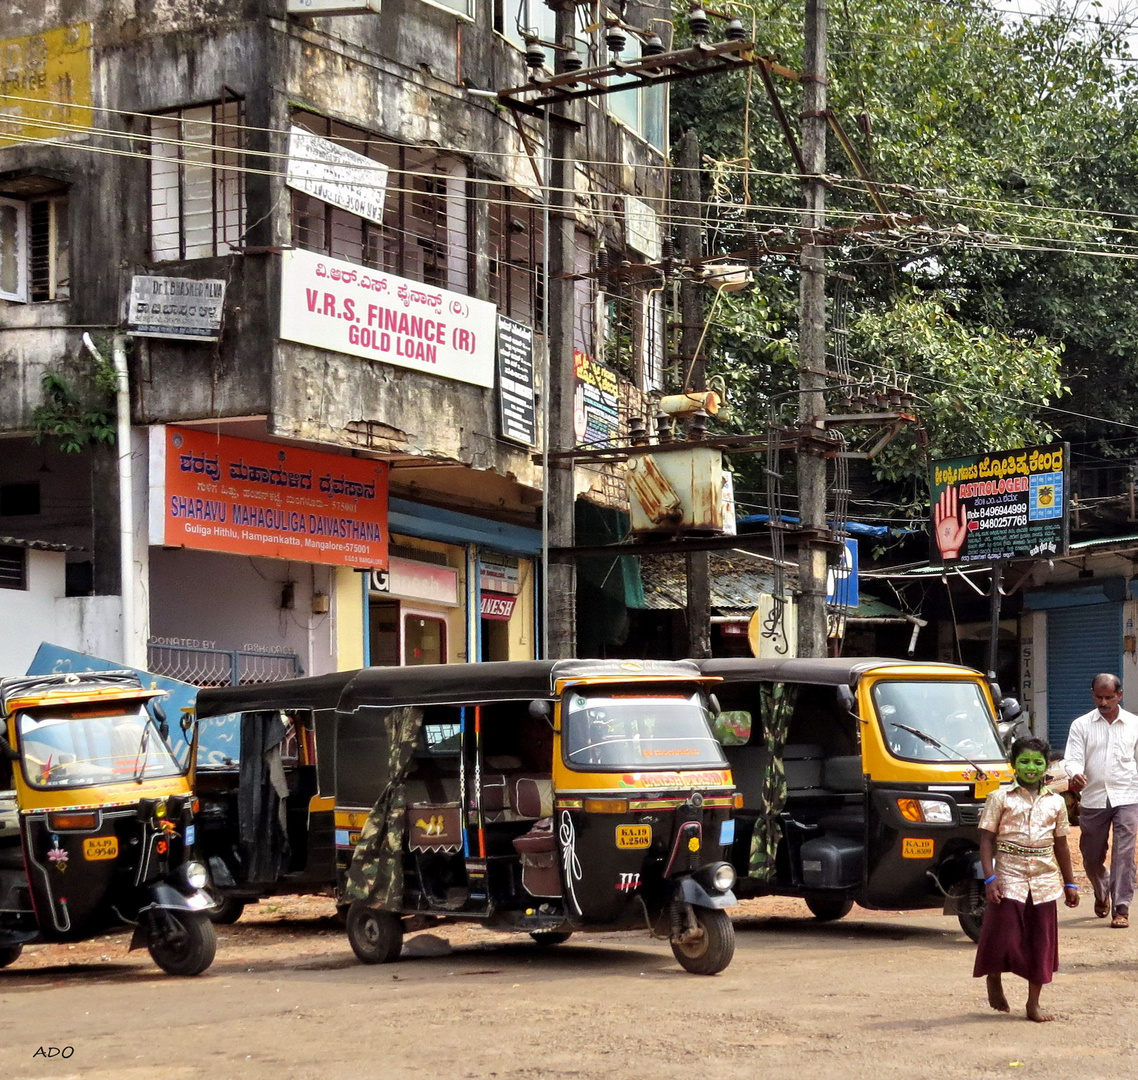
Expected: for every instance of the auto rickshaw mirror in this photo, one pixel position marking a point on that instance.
(539, 709)
(847, 698)
(160, 719)
(713, 705)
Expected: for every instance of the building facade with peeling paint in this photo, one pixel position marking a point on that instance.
(317, 243)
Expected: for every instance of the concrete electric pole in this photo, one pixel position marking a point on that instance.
(812, 343)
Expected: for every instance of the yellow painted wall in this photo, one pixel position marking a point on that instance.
(522, 631)
(348, 608)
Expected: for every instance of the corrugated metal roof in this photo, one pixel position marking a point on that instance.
(736, 582)
(37, 545)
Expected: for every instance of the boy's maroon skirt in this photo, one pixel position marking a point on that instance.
(1020, 938)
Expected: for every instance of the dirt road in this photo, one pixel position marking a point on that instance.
(880, 995)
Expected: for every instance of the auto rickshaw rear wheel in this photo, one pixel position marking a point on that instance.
(551, 937)
(185, 945)
(9, 954)
(828, 908)
(711, 951)
(971, 922)
(228, 910)
(376, 937)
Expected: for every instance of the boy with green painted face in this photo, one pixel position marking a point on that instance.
(1027, 867)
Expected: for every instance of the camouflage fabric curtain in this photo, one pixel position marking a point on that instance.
(376, 873)
(776, 703)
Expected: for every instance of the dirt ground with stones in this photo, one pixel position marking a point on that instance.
(880, 994)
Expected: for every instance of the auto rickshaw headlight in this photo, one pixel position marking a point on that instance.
(194, 875)
(930, 811)
(723, 877)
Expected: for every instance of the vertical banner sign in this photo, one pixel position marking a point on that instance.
(219, 493)
(596, 402)
(339, 306)
(1006, 505)
(517, 414)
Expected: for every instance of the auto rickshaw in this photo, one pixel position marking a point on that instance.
(862, 781)
(97, 821)
(537, 796)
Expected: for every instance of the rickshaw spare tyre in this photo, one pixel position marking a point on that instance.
(187, 944)
(712, 951)
(551, 937)
(228, 910)
(828, 908)
(9, 954)
(376, 937)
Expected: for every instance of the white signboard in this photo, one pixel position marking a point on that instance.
(642, 228)
(346, 308)
(330, 172)
(332, 7)
(174, 307)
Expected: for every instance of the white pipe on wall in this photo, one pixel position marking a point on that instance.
(130, 647)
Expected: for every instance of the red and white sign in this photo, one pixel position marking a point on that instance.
(497, 606)
(218, 493)
(346, 308)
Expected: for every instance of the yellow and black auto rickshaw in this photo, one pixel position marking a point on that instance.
(862, 781)
(97, 821)
(538, 796)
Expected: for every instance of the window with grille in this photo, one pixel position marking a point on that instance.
(197, 187)
(35, 242)
(425, 233)
(516, 248)
(13, 567)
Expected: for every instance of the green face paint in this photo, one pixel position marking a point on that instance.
(1030, 767)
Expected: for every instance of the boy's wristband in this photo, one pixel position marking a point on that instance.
(989, 880)
(1068, 885)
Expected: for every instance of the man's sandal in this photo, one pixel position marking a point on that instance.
(1102, 908)
(1120, 922)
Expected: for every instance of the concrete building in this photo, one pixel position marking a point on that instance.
(323, 242)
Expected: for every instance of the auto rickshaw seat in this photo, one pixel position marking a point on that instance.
(803, 765)
(749, 767)
(533, 796)
(843, 773)
(538, 840)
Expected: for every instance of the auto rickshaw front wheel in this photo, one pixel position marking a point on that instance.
(828, 908)
(709, 952)
(228, 910)
(9, 954)
(376, 937)
(184, 943)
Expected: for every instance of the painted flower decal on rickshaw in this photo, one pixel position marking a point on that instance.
(57, 854)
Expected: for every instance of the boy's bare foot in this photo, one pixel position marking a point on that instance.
(996, 996)
(1034, 1012)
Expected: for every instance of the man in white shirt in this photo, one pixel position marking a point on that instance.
(1102, 760)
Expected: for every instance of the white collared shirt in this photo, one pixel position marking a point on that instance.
(1107, 755)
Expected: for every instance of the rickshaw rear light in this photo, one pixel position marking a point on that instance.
(737, 800)
(195, 806)
(72, 822)
(606, 806)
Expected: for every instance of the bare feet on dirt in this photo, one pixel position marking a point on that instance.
(996, 997)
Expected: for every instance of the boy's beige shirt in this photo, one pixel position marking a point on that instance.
(1017, 816)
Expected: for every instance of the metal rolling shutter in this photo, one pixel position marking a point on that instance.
(1081, 643)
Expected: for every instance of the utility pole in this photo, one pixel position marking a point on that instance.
(561, 595)
(812, 343)
(689, 236)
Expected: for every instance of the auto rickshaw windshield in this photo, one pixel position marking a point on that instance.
(608, 729)
(936, 720)
(85, 746)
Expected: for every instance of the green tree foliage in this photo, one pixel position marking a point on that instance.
(1015, 146)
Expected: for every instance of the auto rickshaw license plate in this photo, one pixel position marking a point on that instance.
(913, 847)
(100, 847)
(633, 836)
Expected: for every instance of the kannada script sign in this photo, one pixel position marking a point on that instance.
(346, 308)
(45, 84)
(186, 309)
(332, 173)
(1011, 504)
(219, 493)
